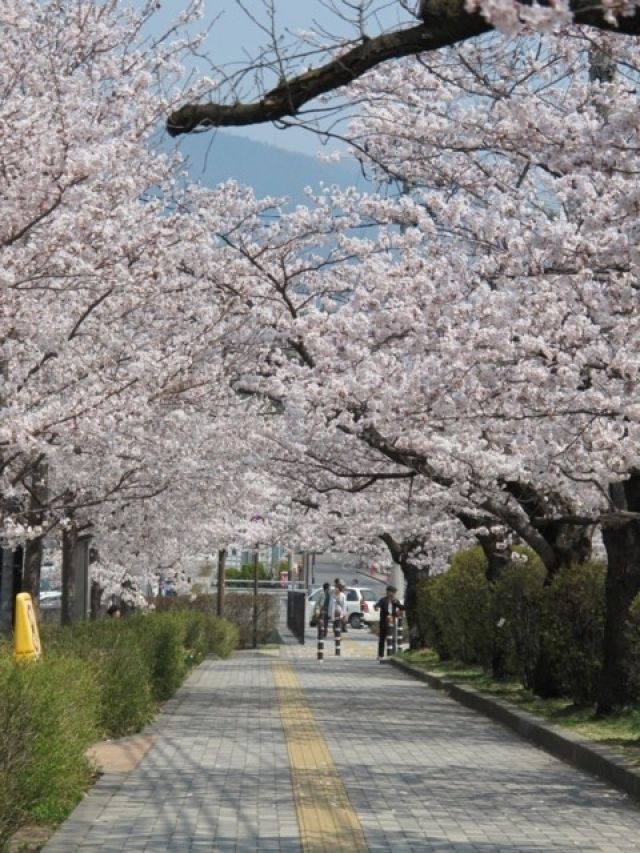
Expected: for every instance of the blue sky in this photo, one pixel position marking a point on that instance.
(234, 35)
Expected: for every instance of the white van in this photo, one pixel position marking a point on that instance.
(360, 601)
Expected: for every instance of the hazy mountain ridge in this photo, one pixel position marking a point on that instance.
(271, 171)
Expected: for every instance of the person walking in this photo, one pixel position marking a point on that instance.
(389, 607)
(337, 606)
(341, 585)
(323, 608)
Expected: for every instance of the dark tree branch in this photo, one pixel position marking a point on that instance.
(445, 23)
(451, 26)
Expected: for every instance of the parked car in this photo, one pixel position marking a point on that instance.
(360, 601)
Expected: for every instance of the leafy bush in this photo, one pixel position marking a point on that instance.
(140, 660)
(162, 638)
(573, 620)
(465, 617)
(518, 598)
(48, 717)
(426, 616)
(238, 610)
(95, 679)
(461, 605)
(110, 649)
(633, 637)
(246, 573)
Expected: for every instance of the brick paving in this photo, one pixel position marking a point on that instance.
(421, 772)
(425, 774)
(216, 778)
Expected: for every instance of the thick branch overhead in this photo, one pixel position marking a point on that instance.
(445, 23)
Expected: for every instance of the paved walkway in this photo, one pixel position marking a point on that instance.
(274, 751)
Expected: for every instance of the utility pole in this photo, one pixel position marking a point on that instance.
(222, 559)
(255, 597)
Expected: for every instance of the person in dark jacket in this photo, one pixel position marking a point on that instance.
(389, 607)
(323, 605)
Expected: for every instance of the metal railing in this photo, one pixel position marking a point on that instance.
(263, 585)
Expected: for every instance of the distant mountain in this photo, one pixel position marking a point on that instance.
(271, 171)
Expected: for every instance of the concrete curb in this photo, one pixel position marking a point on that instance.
(595, 759)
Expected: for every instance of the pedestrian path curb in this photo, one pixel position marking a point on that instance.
(594, 758)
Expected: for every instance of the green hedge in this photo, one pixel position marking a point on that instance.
(457, 609)
(95, 680)
(141, 659)
(466, 618)
(48, 718)
(110, 649)
(633, 638)
(518, 599)
(238, 610)
(573, 624)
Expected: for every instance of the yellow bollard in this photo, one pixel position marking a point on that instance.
(26, 638)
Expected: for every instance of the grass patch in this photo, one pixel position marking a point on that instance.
(620, 731)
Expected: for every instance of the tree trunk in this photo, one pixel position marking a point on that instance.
(622, 542)
(498, 553)
(571, 543)
(95, 598)
(400, 552)
(33, 547)
(222, 560)
(31, 569)
(413, 575)
(69, 539)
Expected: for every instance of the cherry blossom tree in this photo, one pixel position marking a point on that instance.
(482, 337)
(115, 297)
(290, 79)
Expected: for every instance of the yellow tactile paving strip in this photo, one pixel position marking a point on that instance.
(326, 819)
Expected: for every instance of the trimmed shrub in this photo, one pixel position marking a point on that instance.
(461, 605)
(111, 650)
(426, 615)
(238, 610)
(48, 717)
(633, 638)
(222, 636)
(95, 679)
(140, 660)
(518, 599)
(573, 622)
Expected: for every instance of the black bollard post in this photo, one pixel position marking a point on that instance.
(390, 633)
(336, 633)
(320, 638)
(399, 634)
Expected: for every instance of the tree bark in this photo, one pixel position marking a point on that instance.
(95, 598)
(622, 542)
(69, 539)
(32, 568)
(445, 23)
(33, 548)
(400, 554)
(222, 561)
(567, 543)
(413, 575)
